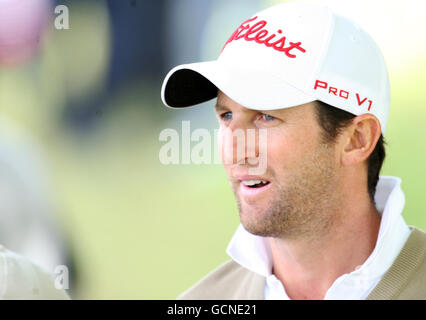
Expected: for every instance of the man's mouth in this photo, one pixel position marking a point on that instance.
(250, 188)
(255, 183)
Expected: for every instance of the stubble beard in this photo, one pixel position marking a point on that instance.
(305, 207)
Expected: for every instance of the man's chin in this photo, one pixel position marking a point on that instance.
(257, 230)
(254, 217)
(254, 225)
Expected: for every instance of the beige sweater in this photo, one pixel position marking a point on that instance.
(405, 279)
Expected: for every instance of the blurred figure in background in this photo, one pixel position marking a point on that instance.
(27, 222)
(21, 24)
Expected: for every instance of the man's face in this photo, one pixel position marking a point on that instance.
(301, 171)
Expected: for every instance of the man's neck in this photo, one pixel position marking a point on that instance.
(308, 267)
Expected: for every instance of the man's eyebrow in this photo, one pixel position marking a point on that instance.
(220, 107)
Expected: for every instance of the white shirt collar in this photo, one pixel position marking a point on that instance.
(254, 253)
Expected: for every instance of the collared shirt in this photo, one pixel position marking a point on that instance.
(254, 253)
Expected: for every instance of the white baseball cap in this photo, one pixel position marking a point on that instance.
(287, 55)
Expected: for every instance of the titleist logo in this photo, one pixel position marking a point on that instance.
(259, 34)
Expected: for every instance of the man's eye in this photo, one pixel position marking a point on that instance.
(226, 116)
(267, 117)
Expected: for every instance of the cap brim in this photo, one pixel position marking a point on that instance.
(191, 84)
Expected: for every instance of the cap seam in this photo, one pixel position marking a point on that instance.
(325, 48)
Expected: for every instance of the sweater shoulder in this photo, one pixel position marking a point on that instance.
(415, 287)
(227, 282)
(406, 278)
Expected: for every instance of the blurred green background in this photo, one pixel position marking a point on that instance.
(140, 229)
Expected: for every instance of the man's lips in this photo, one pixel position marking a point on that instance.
(249, 192)
(246, 177)
(252, 186)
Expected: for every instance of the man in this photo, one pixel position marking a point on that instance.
(318, 223)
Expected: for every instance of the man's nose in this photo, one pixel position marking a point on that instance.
(239, 144)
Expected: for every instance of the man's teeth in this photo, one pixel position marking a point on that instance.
(254, 182)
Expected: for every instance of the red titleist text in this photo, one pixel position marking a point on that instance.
(259, 34)
(341, 93)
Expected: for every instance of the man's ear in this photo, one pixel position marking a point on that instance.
(360, 139)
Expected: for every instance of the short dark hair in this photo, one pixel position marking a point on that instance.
(333, 120)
